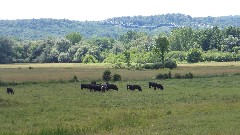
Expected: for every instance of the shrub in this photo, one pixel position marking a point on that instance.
(159, 76)
(148, 66)
(118, 65)
(176, 55)
(153, 66)
(188, 75)
(117, 77)
(74, 79)
(218, 56)
(107, 75)
(157, 65)
(238, 57)
(194, 55)
(170, 64)
(169, 75)
(164, 76)
(178, 76)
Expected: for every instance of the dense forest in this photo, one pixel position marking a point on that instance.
(121, 40)
(32, 29)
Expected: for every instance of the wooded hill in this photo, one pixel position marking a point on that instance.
(32, 29)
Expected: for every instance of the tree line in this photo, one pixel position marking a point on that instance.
(182, 44)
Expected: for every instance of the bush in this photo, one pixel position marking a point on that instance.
(157, 66)
(153, 66)
(148, 66)
(169, 75)
(176, 55)
(107, 75)
(189, 75)
(74, 79)
(117, 77)
(178, 76)
(170, 64)
(218, 56)
(164, 76)
(194, 55)
(118, 65)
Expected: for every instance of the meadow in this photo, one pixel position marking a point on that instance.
(207, 104)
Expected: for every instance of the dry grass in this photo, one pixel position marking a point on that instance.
(86, 72)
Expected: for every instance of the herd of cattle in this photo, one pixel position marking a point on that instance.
(103, 88)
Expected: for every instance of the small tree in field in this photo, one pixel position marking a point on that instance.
(107, 75)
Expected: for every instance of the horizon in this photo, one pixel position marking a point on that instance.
(108, 18)
(94, 10)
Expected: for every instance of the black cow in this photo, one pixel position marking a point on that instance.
(151, 84)
(155, 85)
(104, 88)
(10, 91)
(100, 88)
(133, 87)
(111, 86)
(85, 86)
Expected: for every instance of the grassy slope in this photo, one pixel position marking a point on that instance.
(197, 106)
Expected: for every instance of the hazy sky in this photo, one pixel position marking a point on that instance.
(102, 9)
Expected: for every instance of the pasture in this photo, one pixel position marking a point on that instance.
(202, 105)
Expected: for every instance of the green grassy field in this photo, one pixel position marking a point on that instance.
(204, 105)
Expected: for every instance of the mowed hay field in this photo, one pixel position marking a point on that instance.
(202, 105)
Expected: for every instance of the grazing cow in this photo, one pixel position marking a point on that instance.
(151, 84)
(104, 88)
(10, 91)
(133, 87)
(85, 86)
(155, 85)
(99, 88)
(111, 86)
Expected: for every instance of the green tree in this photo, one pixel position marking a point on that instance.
(6, 52)
(63, 57)
(74, 37)
(103, 43)
(181, 39)
(235, 32)
(62, 45)
(161, 47)
(89, 59)
(130, 35)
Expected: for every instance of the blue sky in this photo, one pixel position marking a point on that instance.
(102, 9)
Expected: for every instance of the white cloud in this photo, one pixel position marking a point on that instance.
(102, 9)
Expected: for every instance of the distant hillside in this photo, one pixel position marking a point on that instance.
(113, 27)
